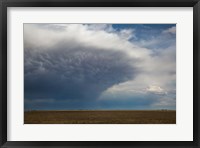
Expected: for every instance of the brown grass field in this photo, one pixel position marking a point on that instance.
(100, 117)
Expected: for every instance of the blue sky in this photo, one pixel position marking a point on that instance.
(99, 66)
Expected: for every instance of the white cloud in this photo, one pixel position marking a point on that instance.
(78, 34)
(155, 89)
(171, 30)
(127, 34)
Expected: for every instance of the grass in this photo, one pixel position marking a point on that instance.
(101, 117)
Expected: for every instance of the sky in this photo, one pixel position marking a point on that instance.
(99, 66)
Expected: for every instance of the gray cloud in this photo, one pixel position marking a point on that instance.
(74, 73)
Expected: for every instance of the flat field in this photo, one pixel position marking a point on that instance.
(100, 117)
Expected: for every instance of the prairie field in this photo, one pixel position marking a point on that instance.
(101, 117)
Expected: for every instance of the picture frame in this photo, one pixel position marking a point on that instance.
(4, 143)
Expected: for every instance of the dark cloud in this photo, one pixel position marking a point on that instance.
(65, 73)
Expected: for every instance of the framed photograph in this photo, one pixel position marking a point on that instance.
(99, 73)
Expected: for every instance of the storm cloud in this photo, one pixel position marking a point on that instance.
(75, 72)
